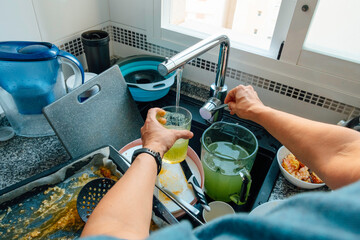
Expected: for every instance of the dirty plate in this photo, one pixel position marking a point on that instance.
(172, 177)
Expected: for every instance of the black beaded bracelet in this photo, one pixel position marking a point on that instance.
(156, 156)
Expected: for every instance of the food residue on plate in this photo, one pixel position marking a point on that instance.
(293, 166)
(170, 178)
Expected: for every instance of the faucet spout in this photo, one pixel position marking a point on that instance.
(218, 89)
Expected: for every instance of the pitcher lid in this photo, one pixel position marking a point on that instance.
(27, 51)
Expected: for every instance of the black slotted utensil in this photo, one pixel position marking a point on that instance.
(91, 194)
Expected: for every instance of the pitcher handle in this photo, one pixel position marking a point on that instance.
(78, 70)
(241, 197)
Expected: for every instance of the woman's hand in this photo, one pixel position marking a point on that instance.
(158, 138)
(125, 211)
(243, 101)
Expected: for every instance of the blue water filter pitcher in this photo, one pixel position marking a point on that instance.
(31, 78)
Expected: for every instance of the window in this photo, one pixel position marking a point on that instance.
(320, 50)
(327, 37)
(247, 22)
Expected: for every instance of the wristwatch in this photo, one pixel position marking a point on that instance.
(156, 156)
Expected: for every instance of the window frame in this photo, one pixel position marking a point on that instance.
(295, 53)
(171, 33)
(296, 67)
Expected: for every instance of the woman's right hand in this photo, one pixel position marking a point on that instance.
(244, 102)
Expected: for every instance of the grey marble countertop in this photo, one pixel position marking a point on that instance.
(21, 157)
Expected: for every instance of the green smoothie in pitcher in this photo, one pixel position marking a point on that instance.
(221, 167)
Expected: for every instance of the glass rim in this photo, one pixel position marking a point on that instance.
(186, 110)
(230, 158)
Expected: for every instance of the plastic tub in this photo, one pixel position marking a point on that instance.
(144, 82)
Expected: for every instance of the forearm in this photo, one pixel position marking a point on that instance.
(125, 211)
(333, 152)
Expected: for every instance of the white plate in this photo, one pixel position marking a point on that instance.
(264, 208)
(172, 177)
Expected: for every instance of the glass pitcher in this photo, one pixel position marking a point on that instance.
(228, 152)
(31, 78)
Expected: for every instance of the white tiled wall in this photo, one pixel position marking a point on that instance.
(18, 21)
(128, 12)
(51, 21)
(59, 19)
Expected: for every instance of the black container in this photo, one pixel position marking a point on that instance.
(96, 47)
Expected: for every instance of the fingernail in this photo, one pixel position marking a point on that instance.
(162, 113)
(162, 120)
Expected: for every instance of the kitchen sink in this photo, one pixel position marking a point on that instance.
(265, 170)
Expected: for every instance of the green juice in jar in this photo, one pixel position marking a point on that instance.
(221, 170)
(178, 152)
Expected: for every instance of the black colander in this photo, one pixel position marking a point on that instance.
(91, 194)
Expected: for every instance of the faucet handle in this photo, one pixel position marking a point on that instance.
(210, 107)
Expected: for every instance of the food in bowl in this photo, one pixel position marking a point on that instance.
(297, 169)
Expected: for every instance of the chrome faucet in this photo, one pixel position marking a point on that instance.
(218, 90)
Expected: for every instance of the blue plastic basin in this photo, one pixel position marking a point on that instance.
(144, 82)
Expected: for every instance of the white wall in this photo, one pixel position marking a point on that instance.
(59, 19)
(51, 21)
(18, 21)
(131, 13)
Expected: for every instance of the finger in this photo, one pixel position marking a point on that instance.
(231, 105)
(161, 120)
(151, 112)
(230, 96)
(185, 134)
(161, 112)
(159, 116)
(154, 112)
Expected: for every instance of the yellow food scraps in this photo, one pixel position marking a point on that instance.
(57, 212)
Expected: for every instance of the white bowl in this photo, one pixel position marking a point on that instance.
(281, 154)
(70, 82)
(218, 209)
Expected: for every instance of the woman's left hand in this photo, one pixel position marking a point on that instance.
(158, 138)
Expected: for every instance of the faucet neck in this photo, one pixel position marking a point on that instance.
(222, 64)
(194, 51)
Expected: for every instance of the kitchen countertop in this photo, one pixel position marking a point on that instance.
(23, 157)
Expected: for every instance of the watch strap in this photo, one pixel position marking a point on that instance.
(154, 154)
